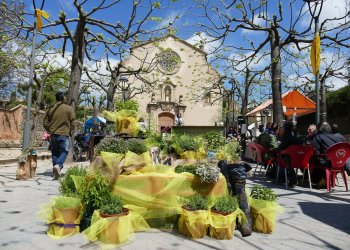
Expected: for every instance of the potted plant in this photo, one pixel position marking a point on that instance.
(193, 222)
(223, 217)
(188, 147)
(67, 184)
(117, 223)
(263, 209)
(137, 155)
(66, 216)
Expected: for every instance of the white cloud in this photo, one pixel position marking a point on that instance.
(331, 9)
(210, 44)
(257, 20)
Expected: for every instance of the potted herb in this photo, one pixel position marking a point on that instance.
(116, 221)
(67, 184)
(137, 155)
(194, 217)
(188, 147)
(66, 216)
(223, 217)
(208, 173)
(112, 145)
(263, 209)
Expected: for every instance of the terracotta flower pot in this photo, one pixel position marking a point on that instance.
(115, 223)
(197, 228)
(69, 217)
(260, 223)
(224, 233)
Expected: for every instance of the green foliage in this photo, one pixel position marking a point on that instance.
(95, 191)
(185, 143)
(196, 202)
(189, 168)
(113, 145)
(232, 151)
(338, 99)
(136, 146)
(128, 104)
(262, 193)
(113, 205)
(63, 202)
(226, 204)
(67, 187)
(214, 139)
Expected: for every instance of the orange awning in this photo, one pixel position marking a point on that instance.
(293, 101)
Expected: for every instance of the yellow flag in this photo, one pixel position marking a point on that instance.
(39, 14)
(315, 55)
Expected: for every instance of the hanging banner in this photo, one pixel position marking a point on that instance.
(315, 55)
(39, 14)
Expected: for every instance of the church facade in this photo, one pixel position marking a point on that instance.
(175, 86)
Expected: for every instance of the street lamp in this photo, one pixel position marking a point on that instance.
(315, 15)
(123, 81)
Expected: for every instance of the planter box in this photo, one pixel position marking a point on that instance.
(260, 223)
(193, 224)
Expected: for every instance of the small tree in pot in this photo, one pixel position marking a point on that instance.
(194, 217)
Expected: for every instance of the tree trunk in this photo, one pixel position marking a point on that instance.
(323, 102)
(77, 63)
(246, 92)
(36, 112)
(110, 96)
(276, 78)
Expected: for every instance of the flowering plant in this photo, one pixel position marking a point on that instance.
(207, 173)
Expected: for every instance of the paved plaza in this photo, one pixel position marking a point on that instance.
(312, 220)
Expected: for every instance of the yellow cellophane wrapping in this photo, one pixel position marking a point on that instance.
(157, 195)
(194, 155)
(194, 224)
(115, 230)
(125, 121)
(56, 218)
(135, 162)
(222, 227)
(264, 215)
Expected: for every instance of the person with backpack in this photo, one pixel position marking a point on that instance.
(59, 122)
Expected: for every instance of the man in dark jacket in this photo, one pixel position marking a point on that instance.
(325, 138)
(59, 122)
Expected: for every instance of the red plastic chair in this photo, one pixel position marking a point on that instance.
(259, 152)
(337, 154)
(299, 158)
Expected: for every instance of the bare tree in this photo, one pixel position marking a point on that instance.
(224, 18)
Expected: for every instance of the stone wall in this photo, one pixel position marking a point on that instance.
(12, 125)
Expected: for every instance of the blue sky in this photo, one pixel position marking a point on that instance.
(189, 18)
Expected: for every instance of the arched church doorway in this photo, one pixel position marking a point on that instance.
(165, 119)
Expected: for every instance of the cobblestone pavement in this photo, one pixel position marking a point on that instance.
(312, 220)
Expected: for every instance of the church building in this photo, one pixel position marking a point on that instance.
(176, 86)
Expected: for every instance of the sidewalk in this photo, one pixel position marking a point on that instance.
(312, 220)
(11, 155)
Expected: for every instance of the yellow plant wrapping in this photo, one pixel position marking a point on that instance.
(263, 215)
(157, 195)
(222, 226)
(125, 121)
(194, 155)
(115, 230)
(114, 162)
(63, 223)
(194, 224)
(134, 161)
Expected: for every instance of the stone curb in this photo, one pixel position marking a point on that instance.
(41, 157)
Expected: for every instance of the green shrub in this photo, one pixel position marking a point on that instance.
(128, 105)
(95, 191)
(214, 139)
(189, 168)
(262, 193)
(113, 145)
(113, 205)
(186, 143)
(226, 204)
(232, 151)
(196, 202)
(67, 202)
(67, 187)
(136, 146)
